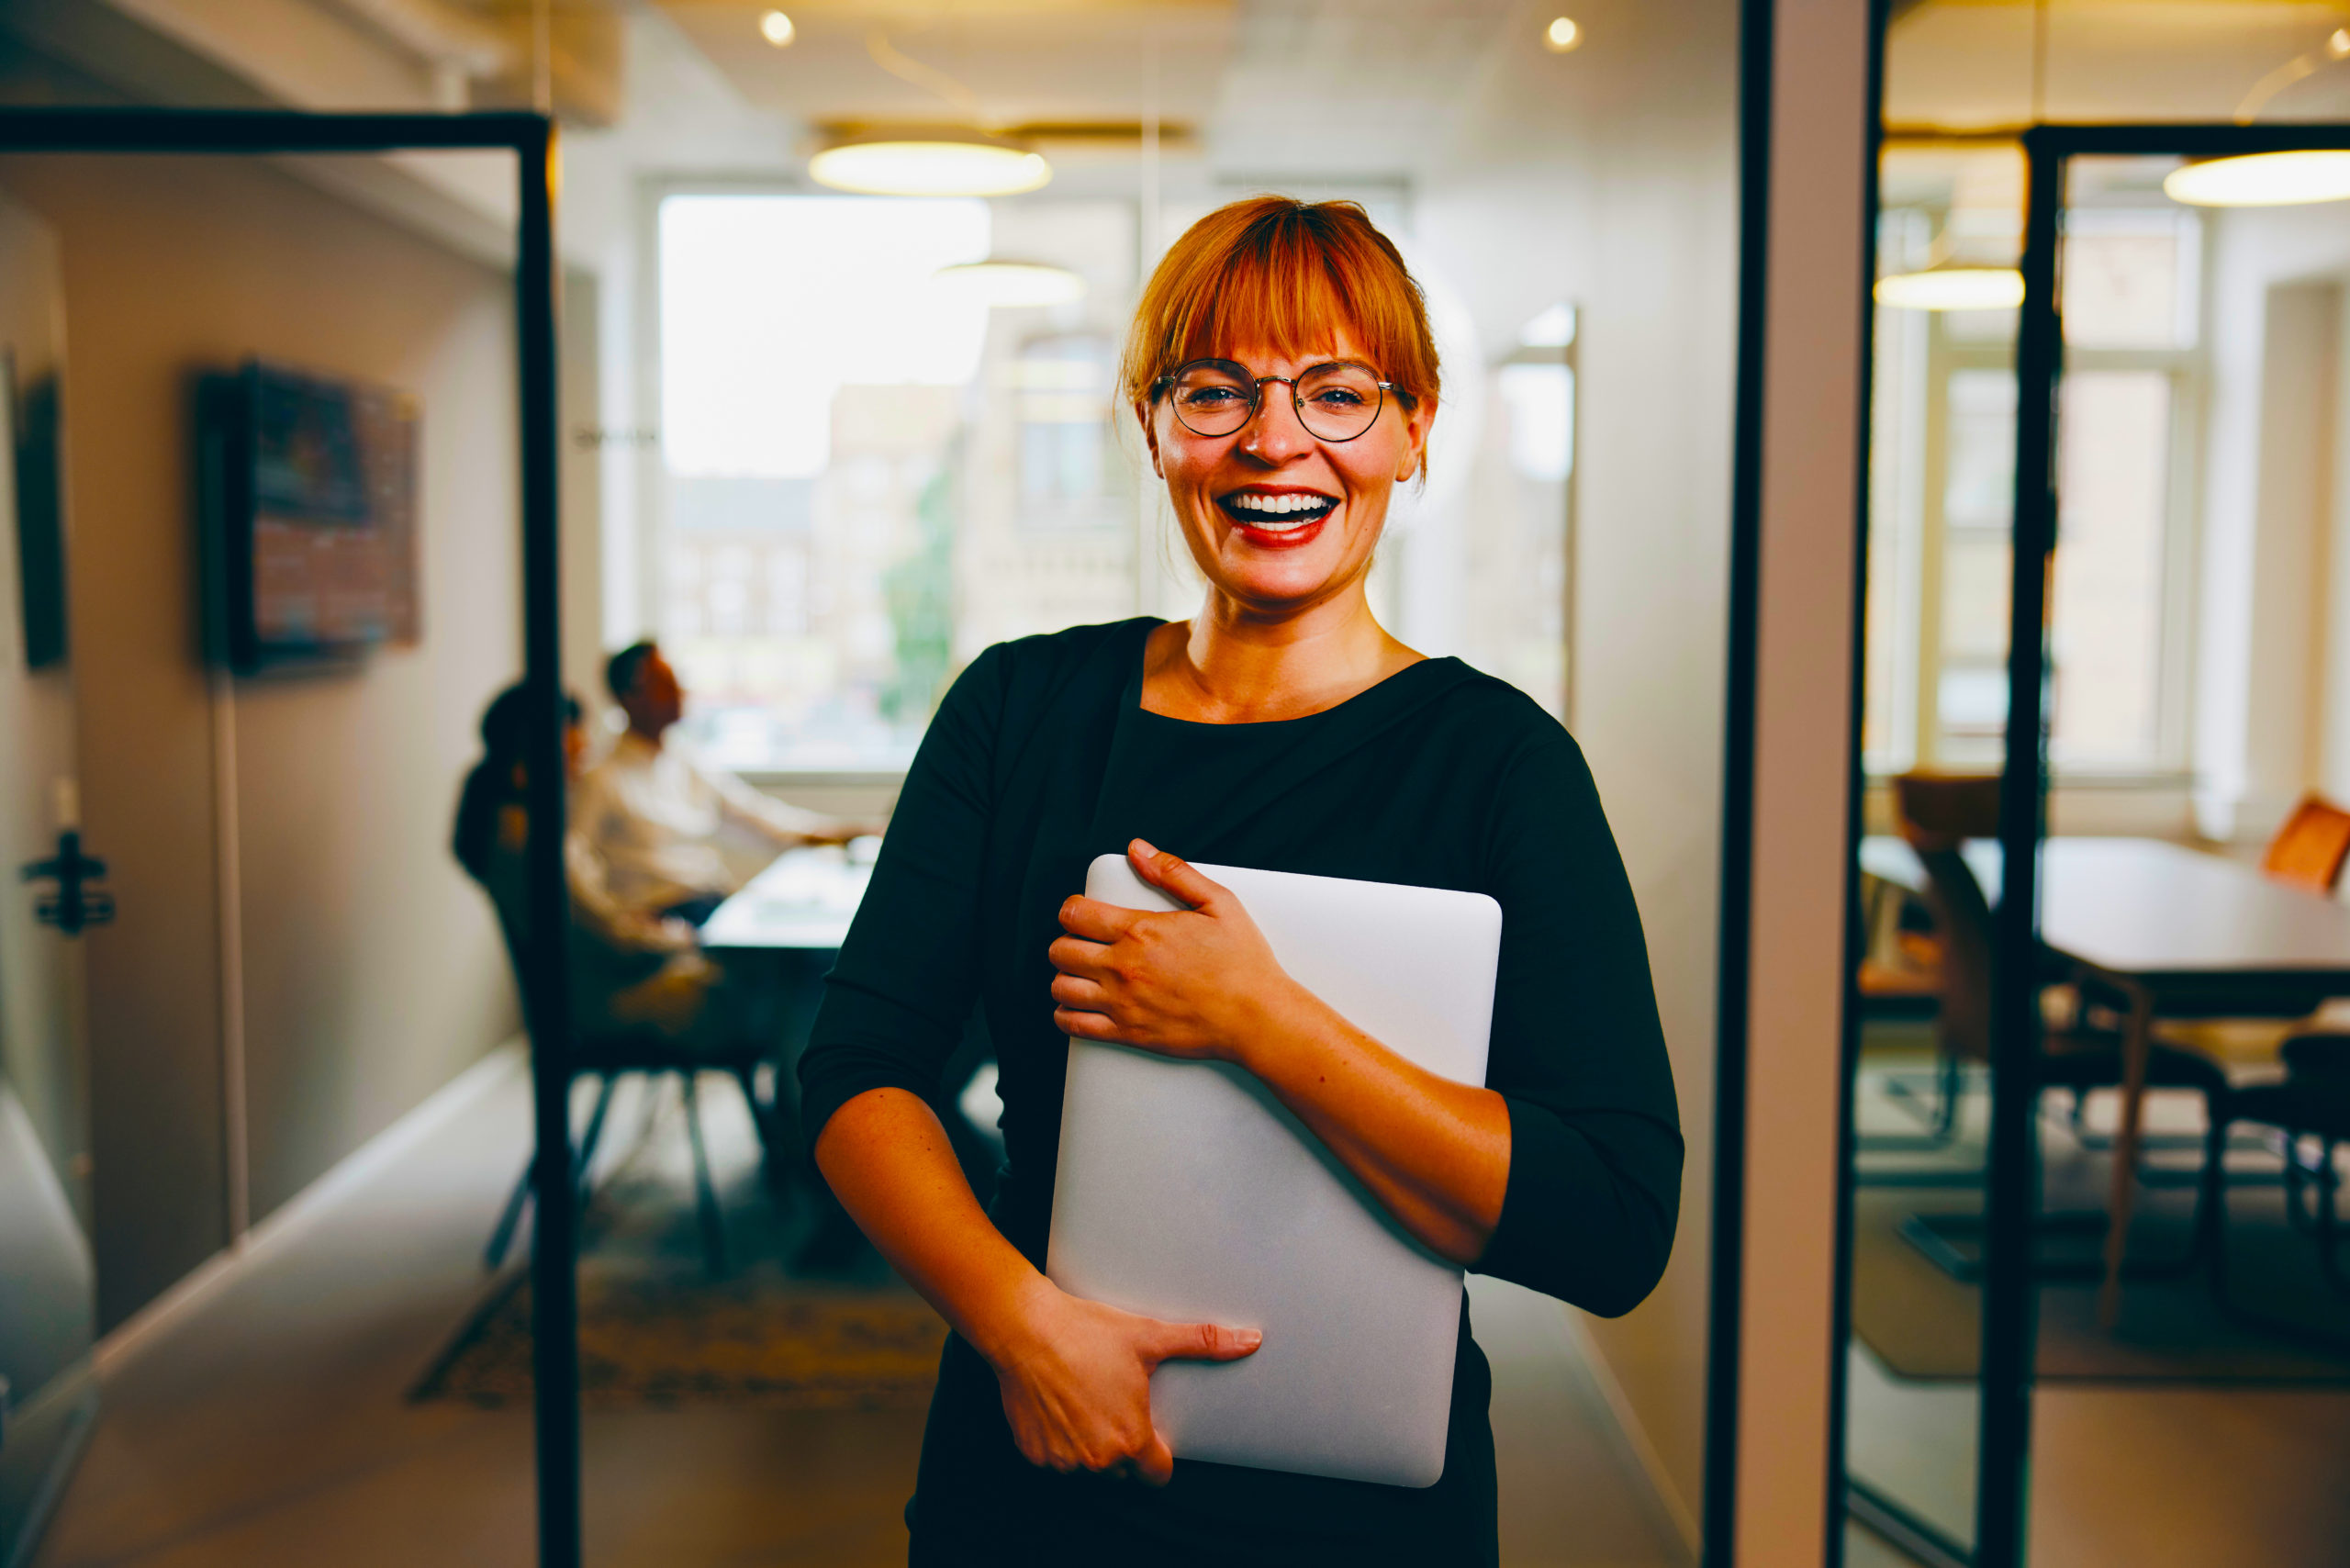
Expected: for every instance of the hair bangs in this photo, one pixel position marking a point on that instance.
(1272, 275)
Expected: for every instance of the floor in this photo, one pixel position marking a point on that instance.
(2203, 1475)
(269, 1424)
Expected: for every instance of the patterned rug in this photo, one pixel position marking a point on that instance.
(662, 1340)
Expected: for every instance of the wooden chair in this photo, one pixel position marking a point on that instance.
(2312, 1104)
(1938, 814)
(2310, 849)
(2308, 852)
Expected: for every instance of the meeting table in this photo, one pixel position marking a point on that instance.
(2173, 932)
(802, 901)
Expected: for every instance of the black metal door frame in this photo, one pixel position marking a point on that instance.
(2003, 1491)
(531, 139)
(2010, 1301)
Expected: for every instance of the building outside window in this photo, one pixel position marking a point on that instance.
(869, 472)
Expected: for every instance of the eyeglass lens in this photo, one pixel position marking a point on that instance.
(1335, 402)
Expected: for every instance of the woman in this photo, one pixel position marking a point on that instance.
(1282, 370)
(628, 971)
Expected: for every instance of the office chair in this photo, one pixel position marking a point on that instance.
(609, 1056)
(1938, 814)
(2312, 1103)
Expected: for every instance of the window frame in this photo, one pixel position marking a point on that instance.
(1913, 513)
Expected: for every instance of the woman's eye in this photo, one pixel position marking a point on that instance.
(1339, 397)
(1208, 397)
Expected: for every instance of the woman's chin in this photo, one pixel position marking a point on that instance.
(1297, 581)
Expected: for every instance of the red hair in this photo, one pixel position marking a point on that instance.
(1288, 275)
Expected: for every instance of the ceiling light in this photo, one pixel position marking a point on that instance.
(1562, 35)
(1010, 283)
(2263, 179)
(2338, 45)
(1953, 288)
(930, 165)
(776, 29)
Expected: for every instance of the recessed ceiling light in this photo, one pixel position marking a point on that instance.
(930, 165)
(1011, 283)
(1562, 35)
(776, 29)
(2262, 179)
(1953, 288)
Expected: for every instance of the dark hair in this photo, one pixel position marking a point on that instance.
(623, 670)
(505, 733)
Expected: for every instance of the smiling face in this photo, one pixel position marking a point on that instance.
(1278, 519)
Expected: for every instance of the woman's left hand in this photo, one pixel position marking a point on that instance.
(1200, 982)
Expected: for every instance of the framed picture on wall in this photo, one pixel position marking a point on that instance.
(32, 431)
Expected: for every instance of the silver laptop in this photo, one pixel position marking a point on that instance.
(1187, 1191)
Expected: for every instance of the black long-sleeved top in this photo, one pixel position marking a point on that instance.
(1042, 757)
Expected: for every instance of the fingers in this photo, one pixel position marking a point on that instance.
(1085, 1026)
(1078, 992)
(1074, 956)
(1170, 874)
(1156, 1463)
(1203, 1342)
(1096, 921)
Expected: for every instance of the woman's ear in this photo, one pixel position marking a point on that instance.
(1149, 437)
(1416, 420)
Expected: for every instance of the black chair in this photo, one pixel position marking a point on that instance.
(2312, 1103)
(609, 1056)
(1938, 814)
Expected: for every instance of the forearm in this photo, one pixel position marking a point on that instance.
(779, 822)
(1436, 1153)
(887, 1160)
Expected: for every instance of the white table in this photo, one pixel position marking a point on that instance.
(803, 900)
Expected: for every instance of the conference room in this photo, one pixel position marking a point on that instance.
(369, 361)
(808, 383)
(2094, 1139)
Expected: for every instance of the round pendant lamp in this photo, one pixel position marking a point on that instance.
(1002, 281)
(2262, 179)
(1953, 288)
(929, 164)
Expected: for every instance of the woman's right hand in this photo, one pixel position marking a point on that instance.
(1075, 1376)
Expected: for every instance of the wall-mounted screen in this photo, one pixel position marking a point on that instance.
(311, 483)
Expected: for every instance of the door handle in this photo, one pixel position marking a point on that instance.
(73, 906)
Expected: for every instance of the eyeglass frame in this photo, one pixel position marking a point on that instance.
(1297, 401)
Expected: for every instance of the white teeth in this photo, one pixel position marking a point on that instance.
(1280, 506)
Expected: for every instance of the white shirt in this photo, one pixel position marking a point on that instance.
(651, 814)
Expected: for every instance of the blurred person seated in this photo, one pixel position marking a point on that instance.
(653, 813)
(629, 969)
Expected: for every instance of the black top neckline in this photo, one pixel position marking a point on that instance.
(1386, 688)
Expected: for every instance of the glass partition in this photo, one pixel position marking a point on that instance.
(263, 1136)
(265, 1084)
(2190, 1276)
(2087, 1148)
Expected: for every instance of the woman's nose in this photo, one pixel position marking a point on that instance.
(1275, 434)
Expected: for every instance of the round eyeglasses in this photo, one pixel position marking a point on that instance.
(1336, 401)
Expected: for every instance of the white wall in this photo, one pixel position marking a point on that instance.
(1613, 186)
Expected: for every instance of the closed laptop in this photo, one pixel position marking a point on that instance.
(1187, 1191)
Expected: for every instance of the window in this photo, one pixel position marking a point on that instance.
(1943, 487)
(868, 477)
